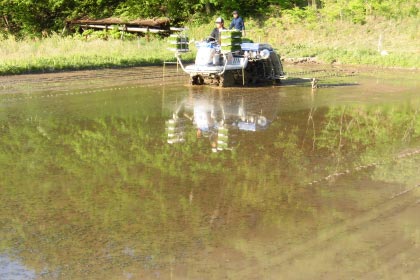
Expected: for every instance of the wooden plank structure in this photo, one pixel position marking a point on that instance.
(142, 26)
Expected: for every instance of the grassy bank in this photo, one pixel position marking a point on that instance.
(384, 44)
(66, 53)
(389, 43)
(376, 43)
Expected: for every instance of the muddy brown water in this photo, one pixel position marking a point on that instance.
(132, 174)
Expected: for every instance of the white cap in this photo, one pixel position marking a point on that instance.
(219, 20)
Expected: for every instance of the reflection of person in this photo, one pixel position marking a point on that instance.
(237, 22)
(204, 115)
(220, 25)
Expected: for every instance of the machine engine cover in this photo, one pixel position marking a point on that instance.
(204, 56)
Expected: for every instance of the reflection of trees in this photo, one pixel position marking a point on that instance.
(97, 193)
(366, 133)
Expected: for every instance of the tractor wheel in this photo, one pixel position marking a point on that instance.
(196, 80)
(277, 82)
(241, 78)
(227, 79)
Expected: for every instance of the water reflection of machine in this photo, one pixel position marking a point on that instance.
(220, 117)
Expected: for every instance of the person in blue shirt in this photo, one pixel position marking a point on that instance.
(237, 22)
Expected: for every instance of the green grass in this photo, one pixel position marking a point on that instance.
(347, 43)
(338, 42)
(56, 54)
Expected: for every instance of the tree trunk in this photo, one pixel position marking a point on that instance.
(6, 22)
(208, 8)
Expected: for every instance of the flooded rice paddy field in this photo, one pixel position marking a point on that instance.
(132, 174)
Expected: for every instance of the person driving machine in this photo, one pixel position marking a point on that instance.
(215, 34)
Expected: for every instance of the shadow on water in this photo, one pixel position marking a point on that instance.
(175, 182)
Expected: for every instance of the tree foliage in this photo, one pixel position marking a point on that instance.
(30, 17)
(358, 10)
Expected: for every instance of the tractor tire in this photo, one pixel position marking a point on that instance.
(227, 79)
(196, 80)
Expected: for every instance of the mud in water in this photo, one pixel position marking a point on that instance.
(133, 174)
(82, 80)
